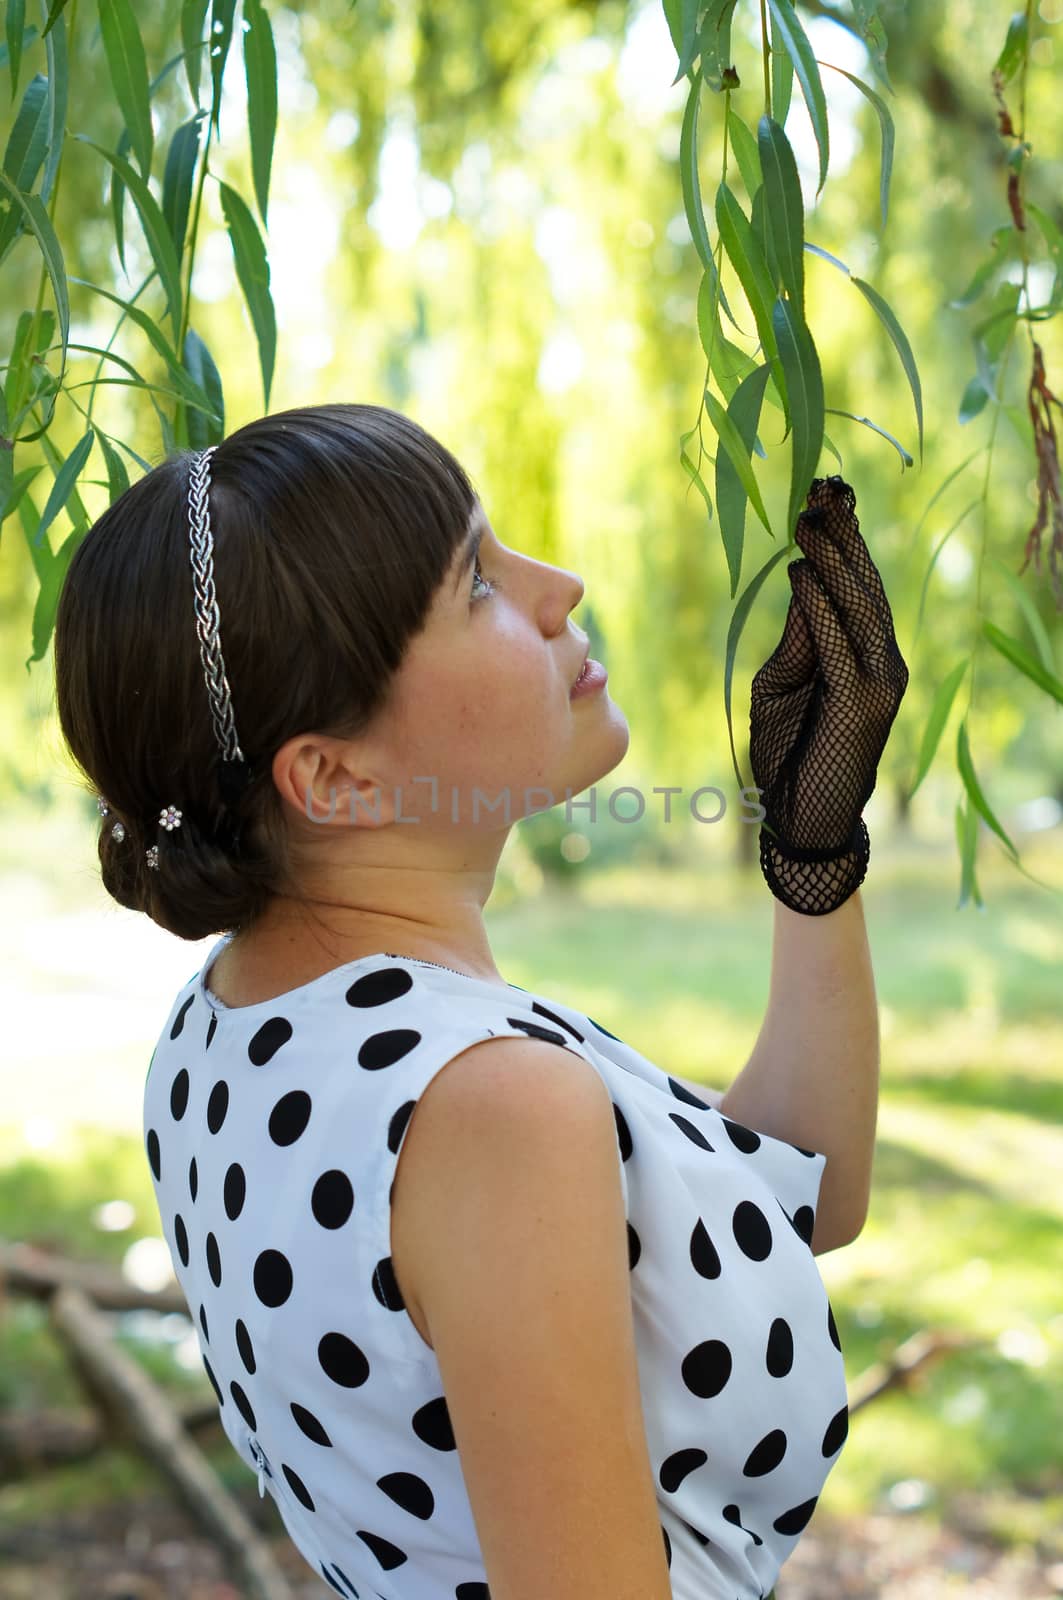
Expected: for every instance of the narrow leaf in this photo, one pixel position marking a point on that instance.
(185, 385)
(714, 42)
(1029, 610)
(178, 179)
(967, 840)
(28, 139)
(906, 459)
(874, 37)
(935, 723)
(58, 84)
(692, 471)
(731, 495)
(782, 76)
(1013, 53)
(804, 386)
(734, 633)
(818, 250)
(193, 22)
(221, 36)
(17, 489)
(688, 173)
(744, 145)
(1020, 657)
(15, 24)
(747, 257)
(128, 67)
(903, 348)
(683, 23)
(252, 269)
(40, 225)
(153, 223)
(117, 476)
(974, 788)
(887, 133)
(784, 213)
(260, 70)
(806, 67)
(66, 478)
(202, 431)
(738, 451)
(55, 12)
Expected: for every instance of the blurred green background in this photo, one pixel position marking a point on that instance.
(476, 218)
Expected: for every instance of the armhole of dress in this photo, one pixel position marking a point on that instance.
(376, 1241)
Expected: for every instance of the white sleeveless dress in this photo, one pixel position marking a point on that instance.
(273, 1132)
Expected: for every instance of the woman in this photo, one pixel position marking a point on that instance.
(582, 1350)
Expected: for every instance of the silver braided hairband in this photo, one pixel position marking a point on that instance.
(234, 772)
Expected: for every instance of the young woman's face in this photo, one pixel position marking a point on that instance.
(482, 701)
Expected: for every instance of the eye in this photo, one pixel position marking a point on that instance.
(478, 577)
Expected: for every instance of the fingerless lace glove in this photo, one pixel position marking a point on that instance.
(821, 708)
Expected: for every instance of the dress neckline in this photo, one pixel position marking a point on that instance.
(293, 996)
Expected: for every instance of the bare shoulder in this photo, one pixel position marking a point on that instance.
(516, 1244)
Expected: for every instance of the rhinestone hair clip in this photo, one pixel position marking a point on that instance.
(208, 631)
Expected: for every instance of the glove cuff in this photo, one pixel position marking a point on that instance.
(815, 882)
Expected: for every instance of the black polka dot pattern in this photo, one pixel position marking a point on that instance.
(274, 1162)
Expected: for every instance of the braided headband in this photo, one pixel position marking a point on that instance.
(233, 770)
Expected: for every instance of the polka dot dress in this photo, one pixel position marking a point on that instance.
(273, 1132)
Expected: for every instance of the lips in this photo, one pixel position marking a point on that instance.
(582, 673)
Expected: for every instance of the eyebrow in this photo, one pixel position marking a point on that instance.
(472, 545)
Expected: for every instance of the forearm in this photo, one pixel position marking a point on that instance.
(813, 1076)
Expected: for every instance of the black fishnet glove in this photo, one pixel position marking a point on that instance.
(821, 708)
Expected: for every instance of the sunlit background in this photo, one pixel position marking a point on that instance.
(476, 217)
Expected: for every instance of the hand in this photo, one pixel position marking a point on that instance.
(821, 708)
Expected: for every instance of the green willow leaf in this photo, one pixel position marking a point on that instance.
(1001, 242)
(935, 723)
(1029, 610)
(734, 633)
(25, 151)
(65, 480)
(260, 71)
(40, 226)
(33, 338)
(906, 459)
(221, 37)
(874, 35)
(54, 14)
(887, 136)
(185, 385)
(974, 788)
(738, 451)
(784, 213)
(973, 400)
(1020, 657)
(818, 250)
(804, 385)
(967, 843)
(728, 363)
(178, 179)
(58, 86)
(128, 67)
(202, 431)
(744, 145)
(1013, 53)
(193, 22)
(688, 173)
(692, 471)
(153, 223)
(1053, 239)
(903, 348)
(18, 487)
(731, 495)
(806, 67)
(682, 17)
(15, 27)
(252, 269)
(7, 475)
(782, 76)
(714, 42)
(117, 476)
(747, 257)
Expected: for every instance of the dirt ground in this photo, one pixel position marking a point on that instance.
(150, 1551)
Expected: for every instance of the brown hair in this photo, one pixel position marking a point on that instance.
(333, 527)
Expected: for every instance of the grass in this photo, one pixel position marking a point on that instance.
(965, 1227)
